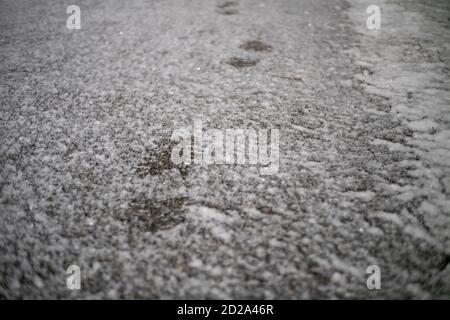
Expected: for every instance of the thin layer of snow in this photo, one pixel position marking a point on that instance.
(409, 60)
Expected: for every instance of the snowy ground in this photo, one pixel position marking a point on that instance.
(86, 118)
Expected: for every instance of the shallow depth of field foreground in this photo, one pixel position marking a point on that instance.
(87, 122)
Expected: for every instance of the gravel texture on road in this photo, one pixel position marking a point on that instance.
(86, 118)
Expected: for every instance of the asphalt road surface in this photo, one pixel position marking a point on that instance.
(86, 179)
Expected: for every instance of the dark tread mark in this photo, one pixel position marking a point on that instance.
(227, 8)
(227, 4)
(293, 78)
(228, 11)
(242, 63)
(156, 163)
(154, 215)
(255, 45)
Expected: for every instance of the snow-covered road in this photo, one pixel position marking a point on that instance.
(86, 177)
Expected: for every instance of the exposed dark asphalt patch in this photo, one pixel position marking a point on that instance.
(228, 11)
(156, 163)
(265, 210)
(227, 4)
(366, 71)
(242, 63)
(255, 45)
(227, 8)
(293, 78)
(153, 215)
